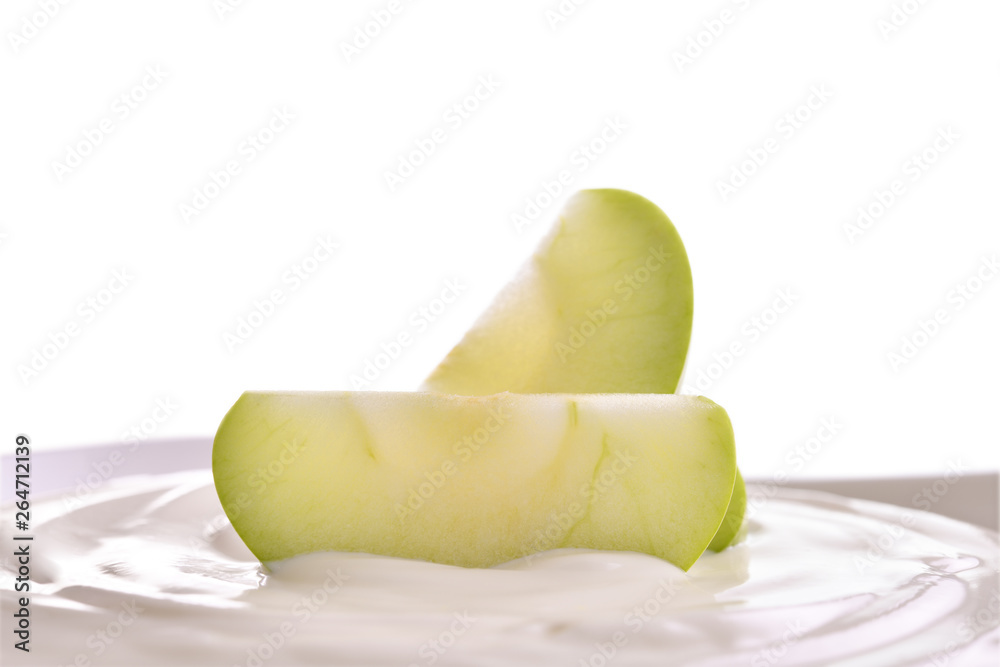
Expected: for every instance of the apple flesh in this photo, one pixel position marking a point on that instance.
(474, 481)
(603, 306)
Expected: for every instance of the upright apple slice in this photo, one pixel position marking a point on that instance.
(734, 516)
(474, 481)
(603, 306)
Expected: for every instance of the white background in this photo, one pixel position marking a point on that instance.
(688, 126)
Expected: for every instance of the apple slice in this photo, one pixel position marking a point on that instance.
(603, 306)
(474, 481)
(734, 516)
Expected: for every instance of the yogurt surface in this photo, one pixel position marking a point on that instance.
(149, 572)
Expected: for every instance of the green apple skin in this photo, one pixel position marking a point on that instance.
(733, 520)
(525, 341)
(603, 306)
(474, 481)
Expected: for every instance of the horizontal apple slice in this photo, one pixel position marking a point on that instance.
(603, 306)
(474, 481)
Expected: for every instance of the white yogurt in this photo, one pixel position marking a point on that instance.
(150, 572)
